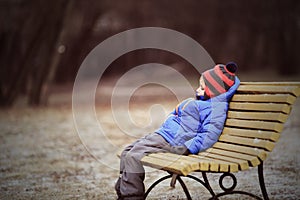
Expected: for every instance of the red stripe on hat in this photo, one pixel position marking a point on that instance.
(209, 92)
(225, 78)
(216, 85)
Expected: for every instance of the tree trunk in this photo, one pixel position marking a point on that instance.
(56, 55)
(55, 17)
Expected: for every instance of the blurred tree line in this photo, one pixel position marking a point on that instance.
(44, 42)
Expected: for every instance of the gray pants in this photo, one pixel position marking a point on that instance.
(132, 174)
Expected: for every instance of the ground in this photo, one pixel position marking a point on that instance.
(46, 154)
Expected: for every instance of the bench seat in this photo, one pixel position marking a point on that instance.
(256, 117)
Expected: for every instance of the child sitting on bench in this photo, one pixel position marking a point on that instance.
(194, 126)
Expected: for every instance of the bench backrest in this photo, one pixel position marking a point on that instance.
(256, 117)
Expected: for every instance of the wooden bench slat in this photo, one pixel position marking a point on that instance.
(270, 107)
(267, 116)
(261, 154)
(217, 165)
(264, 144)
(224, 167)
(213, 166)
(203, 164)
(253, 160)
(243, 164)
(269, 98)
(284, 89)
(252, 124)
(268, 135)
(171, 166)
(194, 165)
(189, 163)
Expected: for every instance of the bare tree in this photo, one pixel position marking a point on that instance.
(29, 47)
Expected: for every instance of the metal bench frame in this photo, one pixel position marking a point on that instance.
(206, 184)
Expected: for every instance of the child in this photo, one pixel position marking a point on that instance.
(194, 126)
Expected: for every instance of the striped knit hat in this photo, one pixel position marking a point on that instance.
(219, 79)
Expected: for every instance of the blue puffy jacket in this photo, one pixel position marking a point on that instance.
(197, 124)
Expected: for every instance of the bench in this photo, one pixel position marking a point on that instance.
(256, 117)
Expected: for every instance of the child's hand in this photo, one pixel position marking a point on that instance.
(181, 150)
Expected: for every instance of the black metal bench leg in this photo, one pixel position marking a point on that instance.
(262, 181)
(186, 191)
(205, 183)
(166, 177)
(155, 183)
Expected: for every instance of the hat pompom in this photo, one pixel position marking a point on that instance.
(231, 67)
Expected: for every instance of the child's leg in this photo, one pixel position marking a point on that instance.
(125, 151)
(131, 183)
(122, 165)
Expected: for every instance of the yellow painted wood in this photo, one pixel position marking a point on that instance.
(260, 153)
(267, 116)
(284, 89)
(233, 164)
(268, 98)
(243, 164)
(265, 144)
(184, 160)
(253, 160)
(203, 166)
(250, 133)
(252, 124)
(213, 166)
(233, 167)
(217, 165)
(202, 163)
(267, 107)
(224, 167)
(171, 166)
